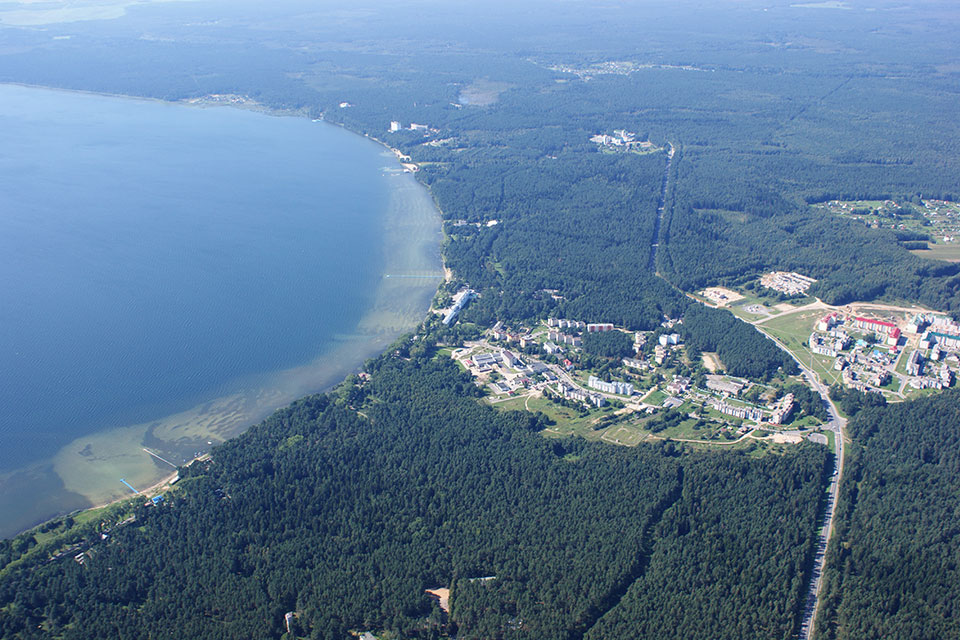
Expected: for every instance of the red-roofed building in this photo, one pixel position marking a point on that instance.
(879, 326)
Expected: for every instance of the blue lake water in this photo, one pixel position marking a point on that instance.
(155, 257)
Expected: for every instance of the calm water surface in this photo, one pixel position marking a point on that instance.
(155, 257)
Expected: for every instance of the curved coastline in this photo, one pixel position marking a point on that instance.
(84, 473)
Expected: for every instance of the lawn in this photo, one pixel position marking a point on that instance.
(567, 420)
(793, 330)
(656, 398)
(796, 325)
(948, 252)
(902, 363)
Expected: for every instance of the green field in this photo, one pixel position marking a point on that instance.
(631, 429)
(948, 252)
(795, 325)
(567, 421)
(793, 330)
(656, 398)
(902, 362)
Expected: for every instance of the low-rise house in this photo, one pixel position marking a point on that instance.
(722, 385)
(486, 359)
(678, 386)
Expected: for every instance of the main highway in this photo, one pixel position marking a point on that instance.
(837, 425)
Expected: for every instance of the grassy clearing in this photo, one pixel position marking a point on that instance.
(902, 362)
(948, 252)
(798, 325)
(805, 422)
(656, 398)
(628, 435)
(567, 421)
(793, 330)
(631, 429)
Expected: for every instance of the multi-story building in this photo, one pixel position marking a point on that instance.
(678, 386)
(617, 387)
(915, 363)
(669, 339)
(877, 326)
(782, 410)
(460, 300)
(945, 340)
(745, 413)
(599, 327)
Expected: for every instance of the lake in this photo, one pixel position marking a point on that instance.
(170, 274)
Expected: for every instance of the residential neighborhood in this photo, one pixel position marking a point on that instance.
(545, 368)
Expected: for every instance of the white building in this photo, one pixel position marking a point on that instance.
(782, 410)
(619, 388)
(746, 413)
(509, 357)
(915, 363)
(669, 339)
(460, 300)
(678, 386)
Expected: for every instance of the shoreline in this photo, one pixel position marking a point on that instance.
(395, 308)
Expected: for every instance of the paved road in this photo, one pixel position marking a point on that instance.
(837, 425)
(660, 208)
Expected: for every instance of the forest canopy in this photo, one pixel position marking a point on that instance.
(343, 508)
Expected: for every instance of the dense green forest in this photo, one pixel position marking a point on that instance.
(762, 124)
(851, 401)
(895, 572)
(715, 542)
(608, 344)
(346, 515)
(345, 507)
(743, 350)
